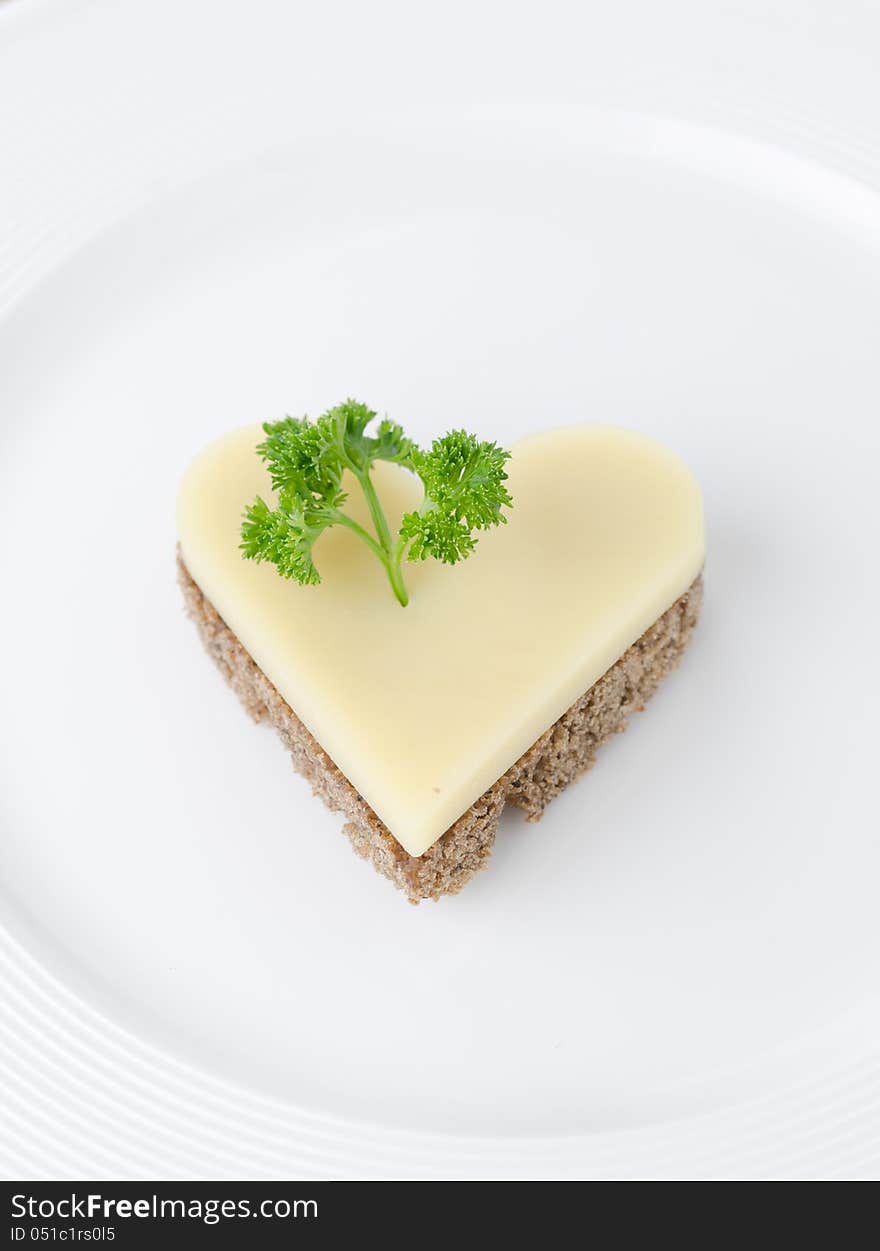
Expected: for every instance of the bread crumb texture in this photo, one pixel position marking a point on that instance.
(559, 756)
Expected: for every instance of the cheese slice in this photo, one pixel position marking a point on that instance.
(424, 707)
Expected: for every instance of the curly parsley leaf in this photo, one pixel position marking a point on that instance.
(285, 536)
(462, 477)
(464, 491)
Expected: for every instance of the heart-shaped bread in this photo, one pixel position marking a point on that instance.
(423, 708)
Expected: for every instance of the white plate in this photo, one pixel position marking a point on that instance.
(675, 972)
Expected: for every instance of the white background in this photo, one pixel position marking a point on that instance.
(663, 216)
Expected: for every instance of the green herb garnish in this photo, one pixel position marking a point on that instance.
(463, 480)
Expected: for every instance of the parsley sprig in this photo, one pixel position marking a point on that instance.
(463, 481)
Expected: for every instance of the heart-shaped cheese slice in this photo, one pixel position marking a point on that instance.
(424, 707)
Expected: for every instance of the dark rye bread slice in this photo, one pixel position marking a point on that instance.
(560, 755)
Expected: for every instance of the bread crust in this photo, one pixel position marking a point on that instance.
(565, 751)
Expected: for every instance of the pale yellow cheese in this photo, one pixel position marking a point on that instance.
(423, 707)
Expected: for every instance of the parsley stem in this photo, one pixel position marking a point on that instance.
(345, 520)
(376, 511)
(383, 531)
(395, 577)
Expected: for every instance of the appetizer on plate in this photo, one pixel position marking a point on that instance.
(435, 633)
